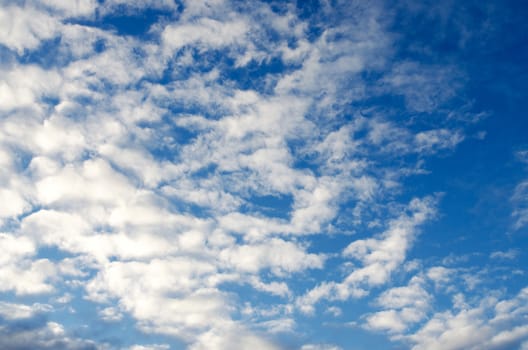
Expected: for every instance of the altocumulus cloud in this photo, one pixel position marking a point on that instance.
(234, 175)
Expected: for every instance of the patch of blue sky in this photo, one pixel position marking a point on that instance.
(271, 205)
(47, 55)
(257, 76)
(135, 23)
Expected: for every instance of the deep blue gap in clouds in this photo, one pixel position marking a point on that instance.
(253, 75)
(126, 20)
(274, 206)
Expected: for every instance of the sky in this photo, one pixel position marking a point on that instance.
(271, 175)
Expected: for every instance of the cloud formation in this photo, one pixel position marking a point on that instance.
(217, 177)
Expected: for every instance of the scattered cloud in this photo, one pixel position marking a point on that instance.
(520, 200)
(403, 307)
(510, 254)
(215, 177)
(487, 325)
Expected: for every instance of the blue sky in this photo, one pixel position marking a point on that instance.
(312, 175)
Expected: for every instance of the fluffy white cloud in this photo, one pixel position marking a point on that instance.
(404, 307)
(204, 34)
(19, 273)
(110, 314)
(12, 203)
(24, 28)
(491, 324)
(230, 336)
(25, 86)
(278, 255)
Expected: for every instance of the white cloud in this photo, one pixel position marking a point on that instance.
(93, 182)
(428, 141)
(12, 311)
(404, 307)
(509, 254)
(275, 288)
(425, 88)
(156, 224)
(19, 273)
(278, 255)
(28, 277)
(491, 324)
(25, 28)
(379, 257)
(12, 204)
(150, 347)
(440, 275)
(205, 33)
(24, 87)
(110, 314)
(230, 336)
(520, 200)
(320, 347)
(281, 325)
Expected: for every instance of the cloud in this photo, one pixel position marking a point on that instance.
(281, 325)
(522, 156)
(25, 28)
(50, 335)
(404, 307)
(26, 327)
(319, 347)
(20, 273)
(110, 314)
(440, 275)
(10, 311)
(491, 324)
(425, 88)
(138, 171)
(206, 33)
(426, 141)
(230, 336)
(520, 200)
(25, 86)
(379, 257)
(150, 347)
(278, 255)
(508, 255)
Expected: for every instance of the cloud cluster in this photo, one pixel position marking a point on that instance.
(171, 171)
(491, 324)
